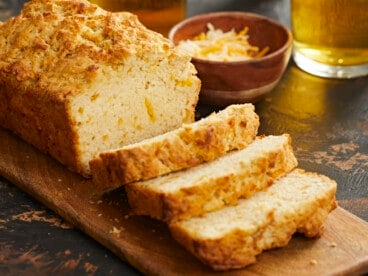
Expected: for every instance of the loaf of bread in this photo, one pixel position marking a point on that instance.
(232, 237)
(192, 144)
(76, 80)
(212, 185)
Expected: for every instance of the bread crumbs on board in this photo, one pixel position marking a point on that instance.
(115, 231)
(313, 262)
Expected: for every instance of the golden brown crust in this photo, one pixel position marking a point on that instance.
(56, 52)
(29, 117)
(192, 144)
(212, 193)
(239, 247)
(58, 45)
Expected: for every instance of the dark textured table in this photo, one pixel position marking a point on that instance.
(327, 119)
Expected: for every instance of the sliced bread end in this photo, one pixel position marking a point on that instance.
(233, 236)
(192, 144)
(213, 185)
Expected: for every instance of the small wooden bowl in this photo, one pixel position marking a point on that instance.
(225, 83)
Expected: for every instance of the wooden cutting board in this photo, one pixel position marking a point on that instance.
(146, 244)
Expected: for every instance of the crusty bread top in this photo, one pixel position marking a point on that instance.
(62, 43)
(70, 70)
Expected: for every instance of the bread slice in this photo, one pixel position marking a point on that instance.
(192, 144)
(212, 185)
(77, 80)
(232, 237)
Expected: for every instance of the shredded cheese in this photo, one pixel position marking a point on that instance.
(217, 45)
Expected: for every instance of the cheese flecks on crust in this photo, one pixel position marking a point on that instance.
(78, 80)
(235, 127)
(213, 185)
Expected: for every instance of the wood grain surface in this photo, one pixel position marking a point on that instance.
(146, 244)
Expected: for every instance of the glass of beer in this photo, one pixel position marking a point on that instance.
(157, 15)
(331, 37)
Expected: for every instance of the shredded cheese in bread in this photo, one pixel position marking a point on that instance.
(217, 45)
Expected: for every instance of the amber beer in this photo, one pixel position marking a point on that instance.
(331, 37)
(158, 15)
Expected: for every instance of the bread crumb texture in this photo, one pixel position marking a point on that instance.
(212, 185)
(78, 80)
(192, 144)
(233, 236)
